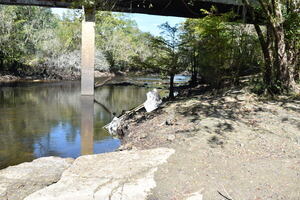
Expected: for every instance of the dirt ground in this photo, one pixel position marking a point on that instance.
(228, 146)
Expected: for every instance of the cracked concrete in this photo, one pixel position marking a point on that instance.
(19, 181)
(127, 175)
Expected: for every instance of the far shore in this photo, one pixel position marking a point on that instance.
(73, 76)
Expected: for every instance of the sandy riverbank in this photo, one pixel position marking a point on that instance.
(232, 144)
(212, 146)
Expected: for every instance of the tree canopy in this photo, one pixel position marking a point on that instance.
(215, 51)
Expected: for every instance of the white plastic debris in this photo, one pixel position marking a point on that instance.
(195, 196)
(114, 125)
(153, 101)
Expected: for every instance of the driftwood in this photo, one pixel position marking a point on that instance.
(103, 106)
(123, 115)
(225, 197)
(128, 113)
(102, 83)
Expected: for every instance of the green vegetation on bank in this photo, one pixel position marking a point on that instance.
(213, 50)
(33, 39)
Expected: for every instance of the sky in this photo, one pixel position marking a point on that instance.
(146, 23)
(150, 23)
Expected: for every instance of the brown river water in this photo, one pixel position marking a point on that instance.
(52, 119)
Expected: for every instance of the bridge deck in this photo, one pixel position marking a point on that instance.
(178, 8)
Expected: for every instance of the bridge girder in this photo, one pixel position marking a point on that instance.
(177, 8)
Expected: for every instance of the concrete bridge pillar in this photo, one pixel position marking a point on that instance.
(87, 125)
(88, 52)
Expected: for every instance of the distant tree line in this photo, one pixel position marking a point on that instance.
(33, 39)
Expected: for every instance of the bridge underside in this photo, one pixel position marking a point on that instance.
(178, 8)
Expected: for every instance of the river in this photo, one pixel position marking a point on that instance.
(44, 119)
(39, 119)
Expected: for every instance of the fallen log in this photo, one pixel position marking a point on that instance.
(102, 83)
(103, 106)
(127, 113)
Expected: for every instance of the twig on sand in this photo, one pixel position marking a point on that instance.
(224, 196)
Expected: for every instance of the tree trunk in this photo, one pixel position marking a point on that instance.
(194, 71)
(292, 49)
(266, 49)
(265, 46)
(171, 89)
(286, 73)
(297, 74)
(274, 48)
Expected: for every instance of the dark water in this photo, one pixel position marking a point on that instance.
(52, 119)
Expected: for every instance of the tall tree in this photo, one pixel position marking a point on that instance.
(119, 38)
(168, 58)
(279, 58)
(191, 48)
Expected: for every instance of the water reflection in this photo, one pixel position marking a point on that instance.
(87, 125)
(50, 119)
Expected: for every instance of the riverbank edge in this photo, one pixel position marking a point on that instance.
(169, 140)
(186, 93)
(223, 126)
(72, 77)
(51, 177)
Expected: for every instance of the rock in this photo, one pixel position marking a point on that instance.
(19, 181)
(114, 125)
(143, 136)
(168, 123)
(229, 99)
(153, 101)
(127, 175)
(195, 196)
(9, 78)
(99, 74)
(241, 97)
(171, 138)
(298, 140)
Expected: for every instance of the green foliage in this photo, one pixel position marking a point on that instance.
(20, 33)
(120, 40)
(292, 36)
(258, 86)
(166, 56)
(33, 36)
(220, 51)
(280, 43)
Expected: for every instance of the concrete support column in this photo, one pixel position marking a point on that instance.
(87, 125)
(88, 52)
